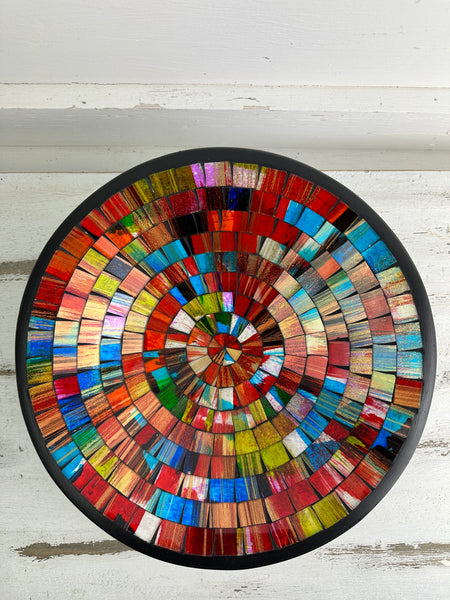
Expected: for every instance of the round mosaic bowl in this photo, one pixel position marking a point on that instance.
(225, 358)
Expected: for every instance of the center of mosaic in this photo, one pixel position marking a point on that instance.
(224, 349)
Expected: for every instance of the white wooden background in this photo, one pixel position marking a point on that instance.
(345, 43)
(358, 88)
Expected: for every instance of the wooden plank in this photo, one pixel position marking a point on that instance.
(116, 159)
(256, 127)
(227, 97)
(337, 126)
(369, 43)
(372, 573)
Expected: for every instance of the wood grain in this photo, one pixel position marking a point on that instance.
(255, 127)
(116, 159)
(369, 43)
(51, 550)
(332, 127)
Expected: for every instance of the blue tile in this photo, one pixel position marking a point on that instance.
(310, 222)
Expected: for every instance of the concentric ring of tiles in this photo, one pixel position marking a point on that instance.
(224, 360)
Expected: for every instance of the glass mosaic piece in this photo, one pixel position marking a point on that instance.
(221, 355)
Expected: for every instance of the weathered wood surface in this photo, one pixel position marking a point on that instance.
(370, 43)
(108, 159)
(50, 550)
(304, 119)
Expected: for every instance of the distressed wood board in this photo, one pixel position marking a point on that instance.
(253, 127)
(51, 550)
(375, 42)
(112, 159)
(97, 127)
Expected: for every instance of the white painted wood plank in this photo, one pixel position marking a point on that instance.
(229, 97)
(369, 43)
(116, 159)
(370, 574)
(339, 127)
(254, 128)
